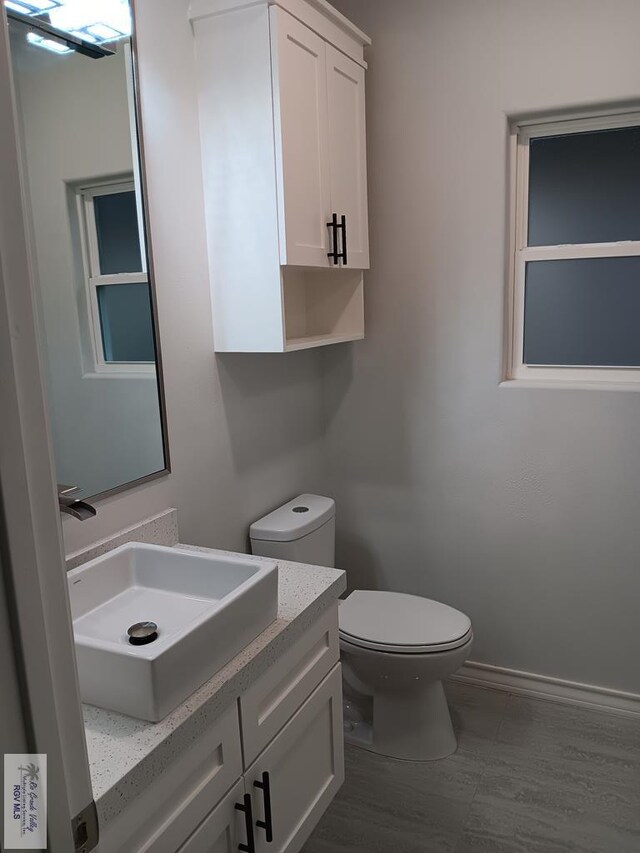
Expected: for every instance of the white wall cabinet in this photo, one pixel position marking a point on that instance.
(319, 118)
(260, 777)
(303, 168)
(282, 117)
(347, 151)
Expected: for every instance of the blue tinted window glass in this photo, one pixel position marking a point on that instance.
(118, 237)
(125, 321)
(583, 311)
(584, 187)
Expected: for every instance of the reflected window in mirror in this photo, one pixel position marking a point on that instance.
(77, 106)
(120, 317)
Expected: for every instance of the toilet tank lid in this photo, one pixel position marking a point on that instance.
(295, 519)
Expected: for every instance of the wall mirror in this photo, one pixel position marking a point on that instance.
(75, 94)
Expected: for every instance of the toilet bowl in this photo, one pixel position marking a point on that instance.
(396, 649)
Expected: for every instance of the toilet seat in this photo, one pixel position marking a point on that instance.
(401, 624)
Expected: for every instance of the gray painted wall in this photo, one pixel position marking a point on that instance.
(518, 506)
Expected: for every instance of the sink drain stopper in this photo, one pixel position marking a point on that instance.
(142, 633)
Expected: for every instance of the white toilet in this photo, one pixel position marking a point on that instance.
(396, 648)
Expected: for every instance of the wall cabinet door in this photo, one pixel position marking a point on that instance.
(347, 152)
(223, 830)
(305, 767)
(319, 115)
(298, 59)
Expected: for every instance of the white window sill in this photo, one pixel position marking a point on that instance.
(570, 385)
(121, 374)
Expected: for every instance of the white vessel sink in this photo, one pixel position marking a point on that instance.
(207, 608)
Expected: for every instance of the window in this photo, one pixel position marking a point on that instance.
(119, 296)
(576, 255)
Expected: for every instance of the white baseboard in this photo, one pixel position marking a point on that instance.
(545, 687)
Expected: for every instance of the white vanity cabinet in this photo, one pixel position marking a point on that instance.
(282, 118)
(287, 789)
(221, 830)
(259, 777)
(302, 770)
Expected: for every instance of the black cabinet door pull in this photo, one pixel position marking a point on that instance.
(267, 823)
(343, 227)
(250, 846)
(333, 255)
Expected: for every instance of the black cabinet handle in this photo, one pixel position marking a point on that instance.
(250, 846)
(343, 227)
(333, 226)
(267, 823)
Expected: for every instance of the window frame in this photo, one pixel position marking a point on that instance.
(93, 278)
(517, 372)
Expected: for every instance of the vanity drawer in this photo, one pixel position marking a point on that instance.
(273, 699)
(180, 794)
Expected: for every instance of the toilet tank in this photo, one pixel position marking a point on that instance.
(302, 530)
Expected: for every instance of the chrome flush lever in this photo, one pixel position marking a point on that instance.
(72, 506)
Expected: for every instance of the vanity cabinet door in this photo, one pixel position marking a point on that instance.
(305, 767)
(347, 149)
(298, 58)
(277, 694)
(180, 793)
(222, 830)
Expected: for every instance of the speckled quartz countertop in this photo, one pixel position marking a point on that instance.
(124, 752)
